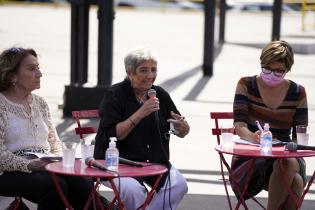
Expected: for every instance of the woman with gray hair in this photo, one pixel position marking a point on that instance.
(270, 98)
(139, 114)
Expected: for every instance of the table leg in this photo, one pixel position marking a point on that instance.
(250, 172)
(93, 194)
(111, 206)
(298, 202)
(62, 195)
(225, 180)
(117, 196)
(241, 193)
(147, 200)
(98, 199)
(151, 193)
(286, 183)
(310, 182)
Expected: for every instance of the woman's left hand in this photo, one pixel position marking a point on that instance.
(180, 124)
(37, 165)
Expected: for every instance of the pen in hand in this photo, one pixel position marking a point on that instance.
(259, 126)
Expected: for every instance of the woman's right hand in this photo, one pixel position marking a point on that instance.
(243, 132)
(256, 137)
(124, 128)
(37, 165)
(149, 106)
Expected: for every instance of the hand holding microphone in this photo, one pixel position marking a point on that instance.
(151, 105)
(155, 104)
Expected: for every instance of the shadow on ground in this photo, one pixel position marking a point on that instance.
(190, 202)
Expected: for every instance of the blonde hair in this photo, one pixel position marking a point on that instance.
(277, 51)
(10, 61)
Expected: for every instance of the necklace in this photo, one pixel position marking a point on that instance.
(141, 99)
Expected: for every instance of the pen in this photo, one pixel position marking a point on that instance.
(259, 126)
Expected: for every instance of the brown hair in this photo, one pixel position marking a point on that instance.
(277, 51)
(10, 61)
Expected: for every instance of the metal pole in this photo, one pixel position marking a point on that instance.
(276, 19)
(208, 54)
(73, 47)
(79, 41)
(222, 21)
(105, 42)
(83, 43)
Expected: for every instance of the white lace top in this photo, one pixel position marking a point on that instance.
(20, 130)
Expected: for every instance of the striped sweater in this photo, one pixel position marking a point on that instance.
(248, 107)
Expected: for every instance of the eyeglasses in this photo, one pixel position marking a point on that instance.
(276, 72)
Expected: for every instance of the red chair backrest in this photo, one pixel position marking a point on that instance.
(217, 116)
(85, 114)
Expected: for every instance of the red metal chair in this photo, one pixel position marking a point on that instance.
(216, 131)
(89, 129)
(85, 114)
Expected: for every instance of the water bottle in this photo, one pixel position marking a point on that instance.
(112, 155)
(266, 140)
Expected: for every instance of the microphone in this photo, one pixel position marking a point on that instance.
(292, 146)
(151, 94)
(91, 162)
(129, 162)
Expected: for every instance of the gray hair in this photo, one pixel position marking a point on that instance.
(136, 57)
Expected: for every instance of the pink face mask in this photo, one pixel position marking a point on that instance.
(270, 79)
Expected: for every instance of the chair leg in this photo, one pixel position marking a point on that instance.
(18, 202)
(225, 187)
(15, 204)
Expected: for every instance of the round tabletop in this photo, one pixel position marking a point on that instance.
(81, 169)
(254, 151)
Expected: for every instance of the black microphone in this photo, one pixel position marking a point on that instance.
(129, 162)
(292, 146)
(152, 93)
(91, 162)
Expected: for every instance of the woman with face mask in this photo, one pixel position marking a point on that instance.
(270, 98)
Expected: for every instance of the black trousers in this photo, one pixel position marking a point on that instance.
(38, 187)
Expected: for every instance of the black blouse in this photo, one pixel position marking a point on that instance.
(149, 140)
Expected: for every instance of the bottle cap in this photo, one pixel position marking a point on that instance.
(266, 127)
(112, 142)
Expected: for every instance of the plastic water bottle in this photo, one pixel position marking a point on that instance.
(112, 155)
(266, 140)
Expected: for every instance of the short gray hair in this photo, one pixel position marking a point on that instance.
(136, 57)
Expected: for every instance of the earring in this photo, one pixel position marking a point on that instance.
(13, 83)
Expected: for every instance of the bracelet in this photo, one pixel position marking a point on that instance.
(132, 122)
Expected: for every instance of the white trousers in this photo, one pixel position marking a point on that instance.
(133, 194)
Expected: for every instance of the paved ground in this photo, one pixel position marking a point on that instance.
(178, 39)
